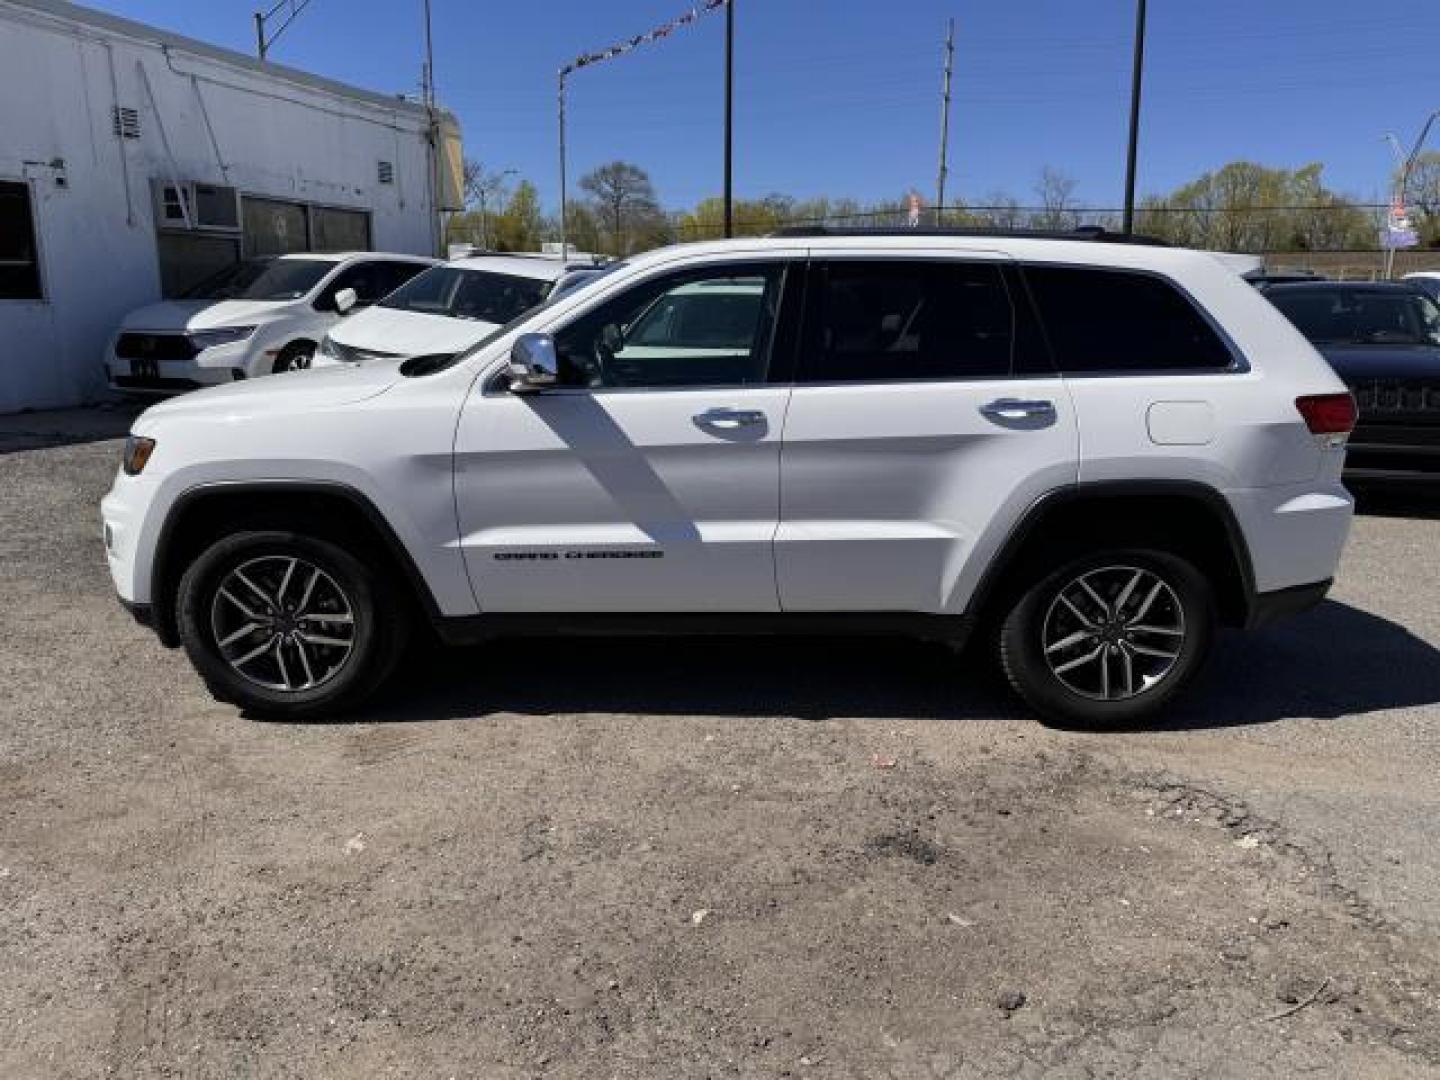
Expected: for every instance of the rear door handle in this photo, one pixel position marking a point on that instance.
(1018, 409)
(729, 418)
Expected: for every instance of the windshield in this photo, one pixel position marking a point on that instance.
(460, 293)
(1361, 316)
(263, 279)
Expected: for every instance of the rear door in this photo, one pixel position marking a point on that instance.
(923, 420)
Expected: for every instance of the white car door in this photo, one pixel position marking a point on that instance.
(924, 420)
(649, 480)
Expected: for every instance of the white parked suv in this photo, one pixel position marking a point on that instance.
(1089, 453)
(257, 317)
(445, 309)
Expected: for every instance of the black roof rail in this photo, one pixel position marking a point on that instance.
(1093, 234)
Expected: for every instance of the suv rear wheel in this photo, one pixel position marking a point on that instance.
(1110, 639)
(288, 625)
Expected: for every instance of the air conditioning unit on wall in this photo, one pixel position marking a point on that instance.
(196, 205)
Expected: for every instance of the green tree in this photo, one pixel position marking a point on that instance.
(521, 225)
(623, 201)
(1244, 206)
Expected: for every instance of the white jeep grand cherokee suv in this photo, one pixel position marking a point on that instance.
(1093, 453)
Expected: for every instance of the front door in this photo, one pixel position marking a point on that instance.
(649, 480)
(925, 418)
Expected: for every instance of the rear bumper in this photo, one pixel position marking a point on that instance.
(1266, 607)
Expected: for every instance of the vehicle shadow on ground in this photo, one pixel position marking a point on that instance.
(1331, 662)
(1378, 501)
(66, 427)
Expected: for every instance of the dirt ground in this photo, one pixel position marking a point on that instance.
(709, 858)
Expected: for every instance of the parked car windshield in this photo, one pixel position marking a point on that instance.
(458, 292)
(263, 279)
(1361, 316)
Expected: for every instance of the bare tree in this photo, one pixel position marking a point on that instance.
(1056, 191)
(623, 199)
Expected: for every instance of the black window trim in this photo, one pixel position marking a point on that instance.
(1239, 363)
(32, 204)
(792, 266)
(1016, 291)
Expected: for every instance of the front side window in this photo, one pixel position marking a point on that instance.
(19, 260)
(458, 292)
(702, 328)
(1120, 321)
(1341, 316)
(262, 279)
(907, 320)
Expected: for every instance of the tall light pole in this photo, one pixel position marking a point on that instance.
(729, 117)
(1136, 78)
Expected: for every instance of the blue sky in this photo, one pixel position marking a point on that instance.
(841, 97)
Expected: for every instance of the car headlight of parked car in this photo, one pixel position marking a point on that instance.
(137, 453)
(207, 339)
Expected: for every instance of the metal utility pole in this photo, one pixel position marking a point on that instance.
(945, 123)
(729, 117)
(1136, 77)
(433, 125)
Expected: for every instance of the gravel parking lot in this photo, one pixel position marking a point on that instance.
(694, 858)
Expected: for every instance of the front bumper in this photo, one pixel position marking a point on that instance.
(215, 366)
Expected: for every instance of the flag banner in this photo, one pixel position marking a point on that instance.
(658, 34)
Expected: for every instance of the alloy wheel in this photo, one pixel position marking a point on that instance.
(282, 623)
(1113, 633)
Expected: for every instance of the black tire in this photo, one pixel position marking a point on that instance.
(377, 628)
(294, 357)
(1082, 696)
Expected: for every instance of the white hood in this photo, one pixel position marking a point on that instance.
(201, 314)
(408, 333)
(289, 392)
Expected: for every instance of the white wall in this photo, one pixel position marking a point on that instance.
(277, 136)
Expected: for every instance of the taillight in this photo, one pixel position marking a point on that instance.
(1328, 414)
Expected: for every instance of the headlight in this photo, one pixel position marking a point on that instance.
(205, 339)
(137, 453)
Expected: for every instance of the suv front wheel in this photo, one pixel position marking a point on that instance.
(1109, 640)
(288, 625)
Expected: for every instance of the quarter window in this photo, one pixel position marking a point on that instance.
(703, 328)
(19, 261)
(1118, 321)
(899, 320)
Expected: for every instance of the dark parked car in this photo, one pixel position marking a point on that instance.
(1266, 279)
(1383, 339)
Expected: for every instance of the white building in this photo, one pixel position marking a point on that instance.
(134, 162)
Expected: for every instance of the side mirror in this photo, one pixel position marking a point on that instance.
(346, 299)
(534, 365)
(612, 338)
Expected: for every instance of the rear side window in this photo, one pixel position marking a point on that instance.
(904, 320)
(1118, 321)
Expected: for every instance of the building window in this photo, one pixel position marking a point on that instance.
(272, 227)
(385, 172)
(186, 259)
(339, 230)
(19, 258)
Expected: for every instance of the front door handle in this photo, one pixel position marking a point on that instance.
(729, 418)
(1018, 409)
